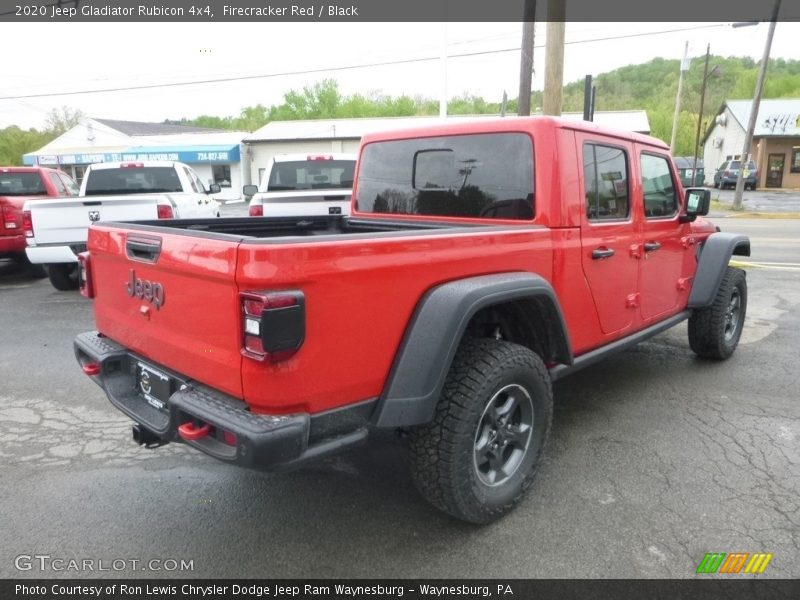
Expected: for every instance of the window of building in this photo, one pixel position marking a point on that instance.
(605, 171)
(794, 166)
(221, 175)
(80, 171)
(658, 187)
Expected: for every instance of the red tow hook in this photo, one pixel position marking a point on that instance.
(189, 432)
(92, 368)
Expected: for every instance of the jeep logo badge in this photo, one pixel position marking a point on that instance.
(94, 215)
(143, 289)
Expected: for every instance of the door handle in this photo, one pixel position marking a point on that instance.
(651, 246)
(600, 253)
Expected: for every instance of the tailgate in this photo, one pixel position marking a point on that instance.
(66, 220)
(190, 323)
(306, 202)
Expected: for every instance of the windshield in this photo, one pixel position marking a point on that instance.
(21, 184)
(311, 175)
(133, 180)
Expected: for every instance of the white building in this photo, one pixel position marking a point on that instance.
(776, 140)
(344, 135)
(214, 154)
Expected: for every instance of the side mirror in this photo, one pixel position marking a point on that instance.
(214, 188)
(698, 201)
(250, 190)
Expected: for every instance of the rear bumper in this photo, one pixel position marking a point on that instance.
(260, 440)
(12, 244)
(44, 255)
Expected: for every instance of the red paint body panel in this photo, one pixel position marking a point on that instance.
(360, 296)
(196, 331)
(361, 291)
(12, 240)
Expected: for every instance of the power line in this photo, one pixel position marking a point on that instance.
(340, 68)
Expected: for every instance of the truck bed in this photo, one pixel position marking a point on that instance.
(250, 229)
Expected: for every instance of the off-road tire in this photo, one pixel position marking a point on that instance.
(714, 331)
(444, 452)
(63, 276)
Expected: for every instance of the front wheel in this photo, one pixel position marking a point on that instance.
(63, 276)
(714, 331)
(479, 455)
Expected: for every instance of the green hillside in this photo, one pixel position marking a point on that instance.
(652, 86)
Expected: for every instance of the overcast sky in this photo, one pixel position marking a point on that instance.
(61, 57)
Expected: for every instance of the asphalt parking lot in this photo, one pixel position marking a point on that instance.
(656, 457)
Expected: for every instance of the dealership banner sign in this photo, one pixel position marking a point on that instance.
(390, 10)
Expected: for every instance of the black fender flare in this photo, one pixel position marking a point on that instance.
(435, 331)
(713, 259)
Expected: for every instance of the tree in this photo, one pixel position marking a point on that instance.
(14, 142)
(61, 120)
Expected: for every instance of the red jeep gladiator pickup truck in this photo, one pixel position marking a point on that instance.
(481, 262)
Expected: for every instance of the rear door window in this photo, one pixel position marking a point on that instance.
(61, 190)
(481, 176)
(605, 172)
(72, 189)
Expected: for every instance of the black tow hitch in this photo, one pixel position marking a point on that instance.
(145, 437)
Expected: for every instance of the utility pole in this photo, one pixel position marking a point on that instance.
(526, 58)
(700, 118)
(443, 98)
(751, 126)
(684, 67)
(554, 58)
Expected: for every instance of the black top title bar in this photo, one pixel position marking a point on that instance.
(390, 10)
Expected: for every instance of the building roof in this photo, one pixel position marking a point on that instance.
(354, 129)
(139, 128)
(776, 117)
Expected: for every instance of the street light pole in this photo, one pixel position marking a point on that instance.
(751, 126)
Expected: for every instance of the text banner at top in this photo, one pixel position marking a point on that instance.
(392, 10)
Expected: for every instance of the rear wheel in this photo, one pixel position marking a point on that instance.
(478, 456)
(63, 276)
(714, 331)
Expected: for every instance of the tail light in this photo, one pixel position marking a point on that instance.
(9, 217)
(256, 210)
(85, 275)
(133, 165)
(165, 211)
(319, 157)
(273, 324)
(27, 223)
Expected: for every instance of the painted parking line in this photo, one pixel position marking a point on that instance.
(772, 266)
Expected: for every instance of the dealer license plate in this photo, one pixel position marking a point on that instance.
(155, 386)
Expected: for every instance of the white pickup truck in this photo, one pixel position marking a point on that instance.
(57, 229)
(300, 185)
